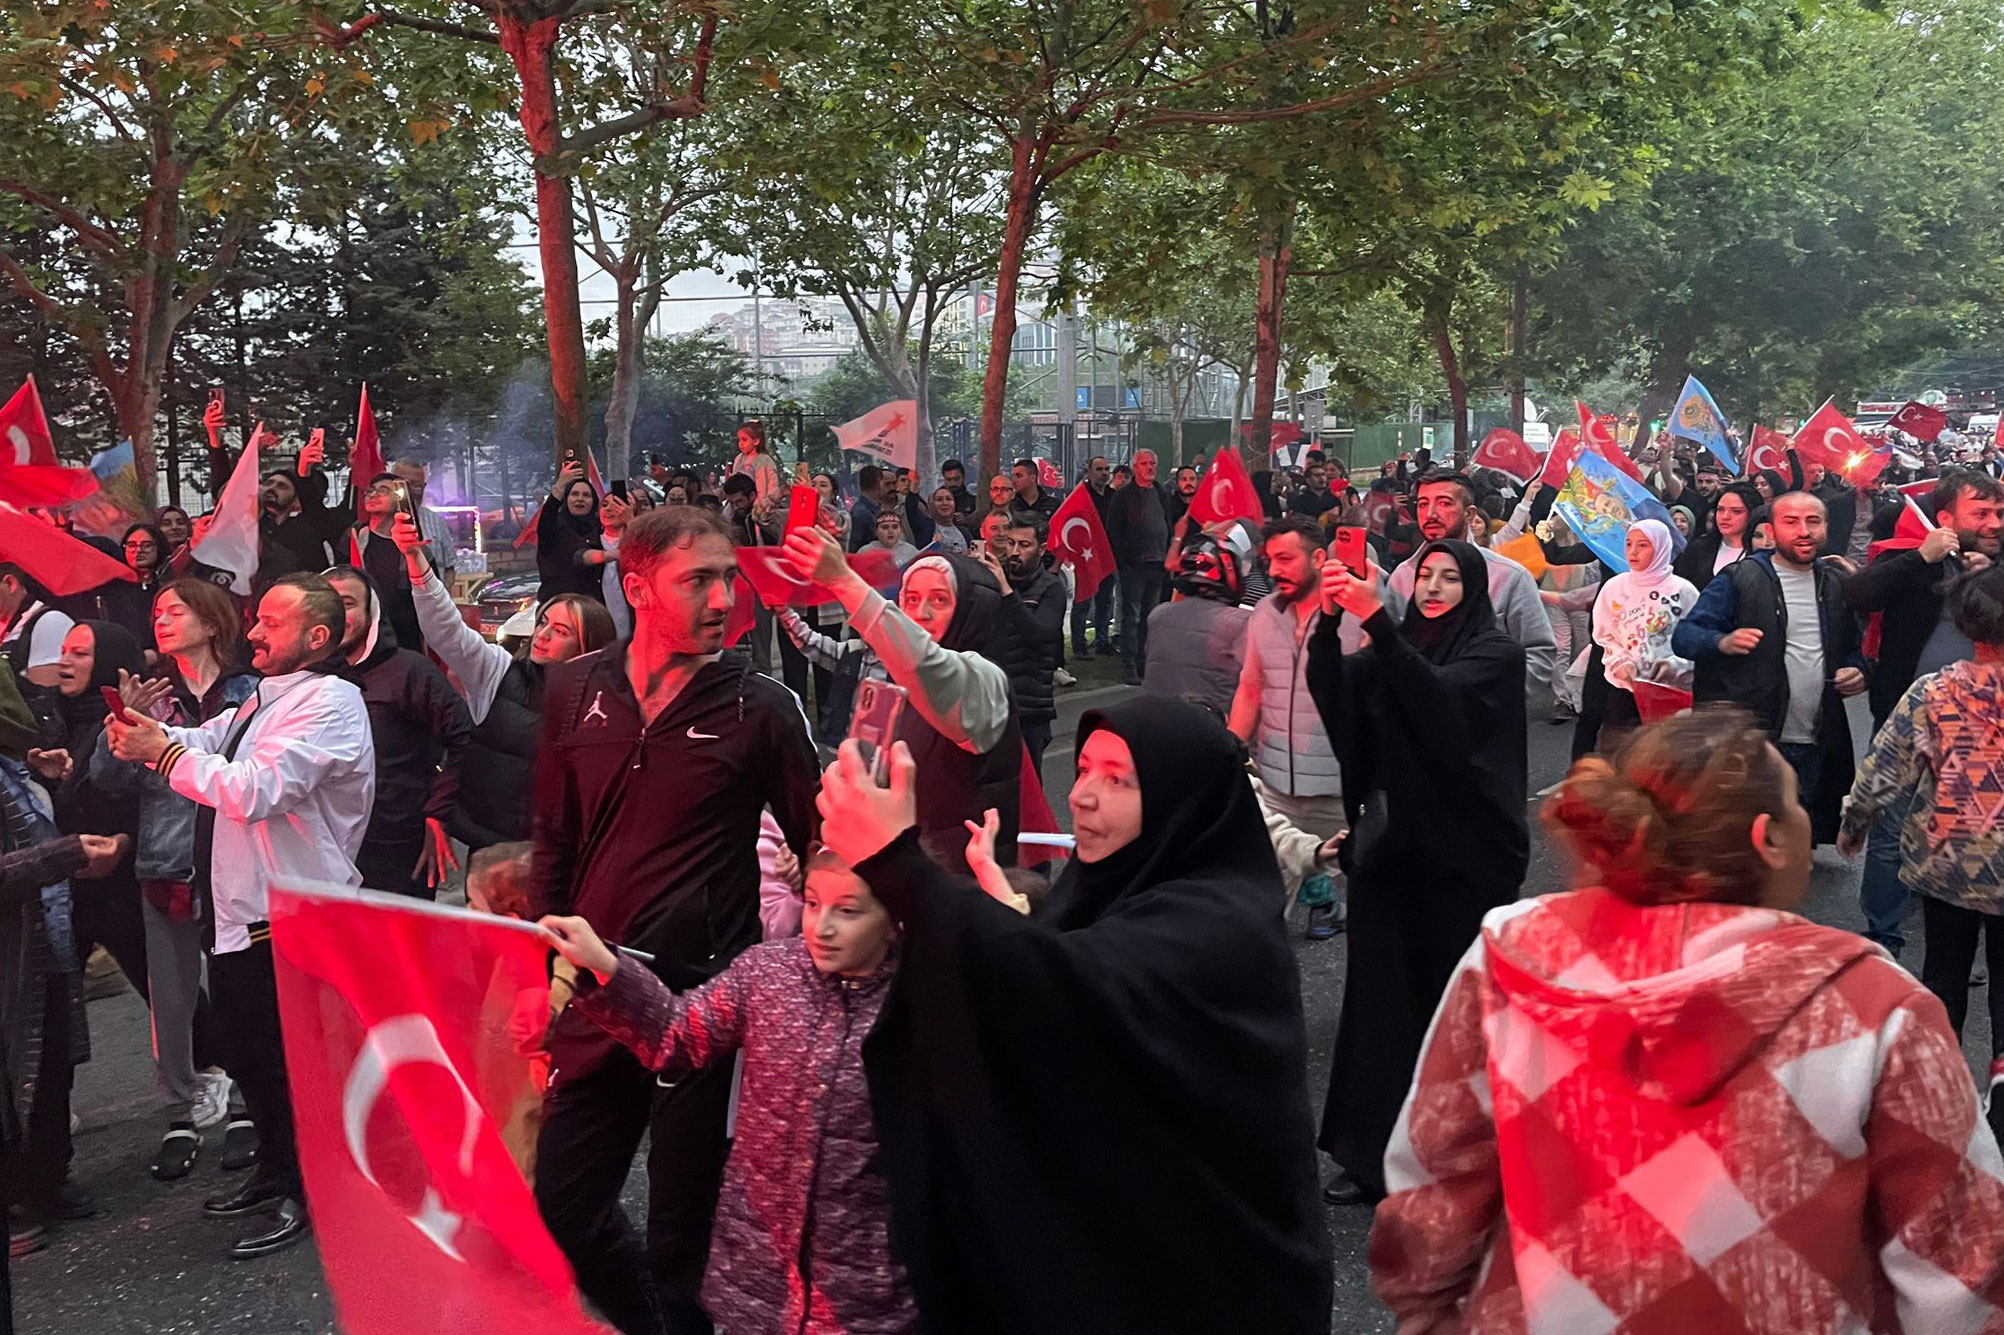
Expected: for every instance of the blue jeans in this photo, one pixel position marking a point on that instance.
(1098, 611)
(1885, 901)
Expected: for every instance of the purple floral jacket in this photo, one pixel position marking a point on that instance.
(802, 1243)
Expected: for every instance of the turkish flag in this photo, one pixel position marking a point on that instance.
(1226, 491)
(1079, 540)
(365, 456)
(52, 558)
(1504, 449)
(24, 429)
(413, 1035)
(1035, 815)
(773, 578)
(1919, 420)
(1560, 458)
(744, 611)
(1048, 475)
(1654, 701)
(1598, 433)
(1769, 451)
(1832, 439)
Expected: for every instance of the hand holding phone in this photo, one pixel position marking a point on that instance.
(116, 703)
(1350, 549)
(874, 725)
(803, 508)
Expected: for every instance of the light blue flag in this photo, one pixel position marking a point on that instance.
(1599, 502)
(1697, 417)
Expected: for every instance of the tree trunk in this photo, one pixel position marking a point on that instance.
(1022, 217)
(1520, 334)
(626, 373)
(532, 47)
(1450, 366)
(1276, 252)
(924, 461)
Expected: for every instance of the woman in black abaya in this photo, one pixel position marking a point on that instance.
(1097, 1120)
(1428, 722)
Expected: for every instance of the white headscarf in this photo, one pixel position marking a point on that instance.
(1658, 569)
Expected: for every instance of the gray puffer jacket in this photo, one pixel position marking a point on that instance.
(802, 1243)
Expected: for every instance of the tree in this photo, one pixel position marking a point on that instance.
(685, 411)
(155, 141)
(659, 67)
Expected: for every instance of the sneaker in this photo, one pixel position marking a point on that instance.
(211, 1107)
(25, 1237)
(1324, 921)
(1061, 677)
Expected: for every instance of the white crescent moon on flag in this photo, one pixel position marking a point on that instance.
(1084, 549)
(23, 447)
(401, 1041)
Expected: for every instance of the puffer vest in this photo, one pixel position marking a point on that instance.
(1290, 745)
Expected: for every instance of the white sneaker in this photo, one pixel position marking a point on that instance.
(1064, 678)
(212, 1103)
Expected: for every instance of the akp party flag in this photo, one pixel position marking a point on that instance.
(1226, 491)
(887, 433)
(231, 542)
(1919, 420)
(1599, 503)
(413, 1038)
(1833, 440)
(1697, 417)
(24, 428)
(1079, 540)
(1504, 449)
(52, 558)
(1768, 452)
(1598, 434)
(1559, 459)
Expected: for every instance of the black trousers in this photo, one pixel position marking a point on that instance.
(1951, 931)
(243, 992)
(107, 914)
(1141, 588)
(386, 863)
(1096, 612)
(592, 1124)
(40, 1164)
(1036, 736)
(1593, 705)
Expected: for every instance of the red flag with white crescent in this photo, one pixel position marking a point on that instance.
(1597, 431)
(1079, 540)
(24, 429)
(774, 580)
(1921, 421)
(52, 558)
(1768, 451)
(1504, 449)
(1226, 491)
(1833, 440)
(413, 1039)
(1559, 459)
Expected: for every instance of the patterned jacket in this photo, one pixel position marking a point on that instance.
(1700, 1118)
(1943, 744)
(802, 1239)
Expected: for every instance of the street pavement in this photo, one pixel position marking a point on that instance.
(150, 1264)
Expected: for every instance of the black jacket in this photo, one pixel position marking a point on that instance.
(421, 729)
(498, 778)
(1695, 562)
(1137, 524)
(650, 831)
(1031, 643)
(301, 541)
(1908, 594)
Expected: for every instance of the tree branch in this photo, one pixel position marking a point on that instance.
(688, 105)
(1369, 92)
(83, 91)
(94, 236)
(48, 305)
(335, 35)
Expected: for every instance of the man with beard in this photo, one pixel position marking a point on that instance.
(953, 476)
(659, 755)
(1907, 591)
(1441, 511)
(285, 782)
(1774, 635)
(1273, 713)
(1032, 642)
(296, 525)
(422, 731)
(1185, 492)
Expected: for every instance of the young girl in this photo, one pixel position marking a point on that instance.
(802, 1239)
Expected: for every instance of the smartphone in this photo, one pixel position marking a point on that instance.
(216, 396)
(116, 703)
(1350, 549)
(617, 487)
(803, 508)
(874, 724)
(977, 547)
(318, 440)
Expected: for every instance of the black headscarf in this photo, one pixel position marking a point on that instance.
(115, 648)
(1095, 1120)
(1446, 637)
(1198, 814)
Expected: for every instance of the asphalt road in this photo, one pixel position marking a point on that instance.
(150, 1263)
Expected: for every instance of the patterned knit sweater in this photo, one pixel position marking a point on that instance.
(1695, 1118)
(802, 1238)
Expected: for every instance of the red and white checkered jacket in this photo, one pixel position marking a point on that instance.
(1700, 1119)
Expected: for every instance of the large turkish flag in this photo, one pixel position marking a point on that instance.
(1226, 491)
(1079, 540)
(414, 1034)
(1832, 439)
(1504, 449)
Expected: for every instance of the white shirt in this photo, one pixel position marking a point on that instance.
(45, 642)
(294, 802)
(1727, 555)
(1804, 654)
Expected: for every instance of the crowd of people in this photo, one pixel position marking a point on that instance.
(895, 1073)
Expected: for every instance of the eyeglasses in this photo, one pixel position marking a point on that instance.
(385, 489)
